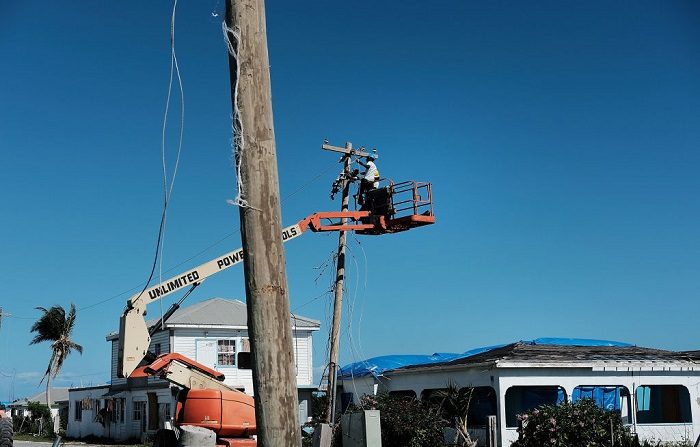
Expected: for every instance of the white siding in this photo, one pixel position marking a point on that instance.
(88, 424)
(162, 337)
(303, 356)
(115, 364)
(185, 341)
(117, 430)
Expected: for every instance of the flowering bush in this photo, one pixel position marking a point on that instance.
(582, 424)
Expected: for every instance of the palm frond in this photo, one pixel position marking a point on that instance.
(72, 345)
(50, 325)
(57, 327)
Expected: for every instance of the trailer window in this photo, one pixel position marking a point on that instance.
(611, 398)
(481, 406)
(520, 399)
(663, 404)
(407, 394)
(482, 402)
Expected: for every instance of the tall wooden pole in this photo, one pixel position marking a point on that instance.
(338, 302)
(269, 328)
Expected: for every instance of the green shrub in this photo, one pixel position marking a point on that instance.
(406, 422)
(40, 421)
(582, 424)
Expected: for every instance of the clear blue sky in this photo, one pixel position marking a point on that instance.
(561, 139)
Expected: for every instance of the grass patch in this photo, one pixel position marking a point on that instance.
(29, 437)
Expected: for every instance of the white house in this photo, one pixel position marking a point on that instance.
(213, 332)
(657, 392)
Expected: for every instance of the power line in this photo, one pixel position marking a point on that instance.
(214, 244)
(209, 247)
(174, 68)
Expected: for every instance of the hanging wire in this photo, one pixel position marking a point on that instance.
(211, 246)
(174, 69)
(167, 192)
(350, 304)
(364, 289)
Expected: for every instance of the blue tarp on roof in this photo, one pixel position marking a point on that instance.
(577, 342)
(376, 366)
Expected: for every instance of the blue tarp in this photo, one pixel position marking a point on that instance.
(577, 342)
(376, 366)
(606, 397)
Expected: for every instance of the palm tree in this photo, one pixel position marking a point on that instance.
(56, 327)
(454, 405)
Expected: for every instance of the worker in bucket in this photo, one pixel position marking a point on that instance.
(370, 179)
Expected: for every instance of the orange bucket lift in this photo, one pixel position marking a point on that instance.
(390, 209)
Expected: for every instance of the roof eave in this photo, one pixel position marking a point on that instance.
(607, 365)
(442, 367)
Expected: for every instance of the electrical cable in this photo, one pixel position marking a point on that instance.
(312, 300)
(350, 304)
(362, 308)
(196, 255)
(144, 286)
(167, 192)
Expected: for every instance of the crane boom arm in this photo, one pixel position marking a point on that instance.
(201, 272)
(134, 338)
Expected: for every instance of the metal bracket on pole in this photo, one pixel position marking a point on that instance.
(345, 150)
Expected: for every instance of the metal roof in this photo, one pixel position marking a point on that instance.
(221, 312)
(528, 354)
(695, 355)
(57, 395)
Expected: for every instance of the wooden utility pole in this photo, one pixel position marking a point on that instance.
(269, 328)
(338, 301)
(339, 279)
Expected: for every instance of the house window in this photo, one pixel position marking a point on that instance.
(139, 408)
(157, 349)
(78, 416)
(520, 399)
(663, 404)
(119, 408)
(226, 352)
(164, 412)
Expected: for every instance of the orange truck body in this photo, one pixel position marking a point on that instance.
(231, 414)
